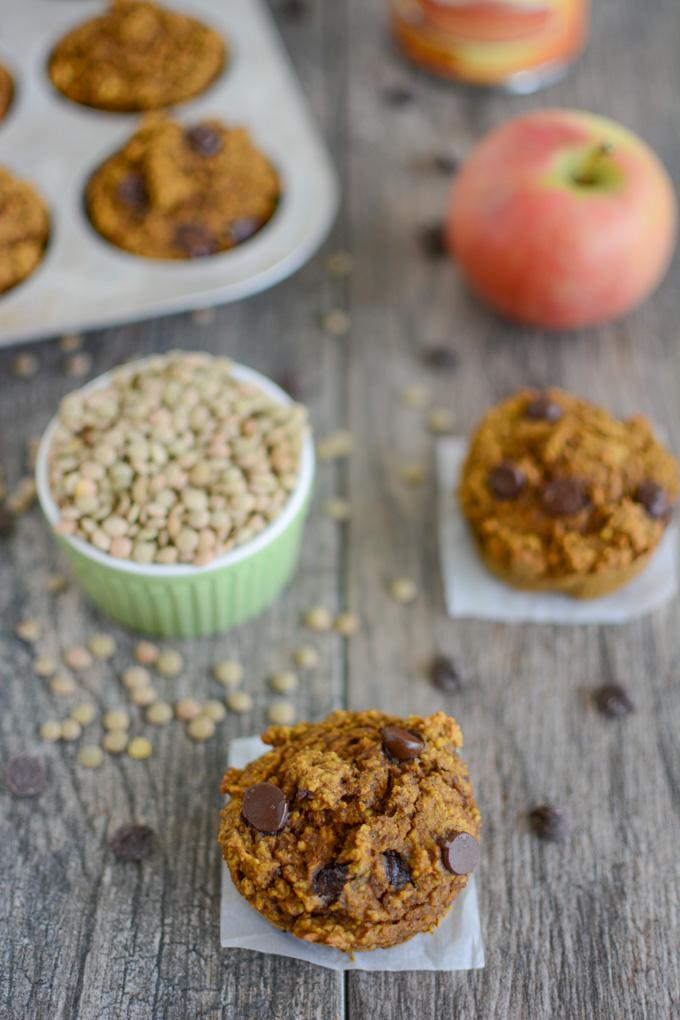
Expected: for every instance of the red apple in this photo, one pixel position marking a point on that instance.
(561, 219)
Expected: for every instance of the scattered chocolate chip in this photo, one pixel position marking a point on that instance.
(548, 823)
(243, 229)
(398, 96)
(654, 499)
(195, 241)
(329, 881)
(203, 139)
(265, 808)
(294, 10)
(446, 163)
(132, 192)
(25, 775)
(7, 521)
(460, 853)
(433, 240)
(506, 480)
(612, 700)
(301, 795)
(397, 871)
(440, 356)
(543, 408)
(444, 674)
(132, 842)
(564, 497)
(400, 743)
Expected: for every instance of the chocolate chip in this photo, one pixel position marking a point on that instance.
(654, 499)
(329, 881)
(506, 480)
(25, 775)
(398, 95)
(548, 823)
(433, 240)
(243, 229)
(195, 241)
(543, 408)
(460, 853)
(440, 356)
(265, 808)
(131, 191)
(7, 521)
(445, 675)
(564, 497)
(397, 871)
(613, 701)
(203, 139)
(446, 163)
(132, 842)
(400, 743)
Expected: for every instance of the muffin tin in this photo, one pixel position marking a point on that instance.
(83, 282)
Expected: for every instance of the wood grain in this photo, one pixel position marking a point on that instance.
(587, 930)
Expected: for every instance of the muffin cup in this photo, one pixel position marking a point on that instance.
(185, 601)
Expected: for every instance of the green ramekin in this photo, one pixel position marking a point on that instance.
(186, 601)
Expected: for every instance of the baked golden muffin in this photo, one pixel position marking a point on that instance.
(24, 229)
(563, 497)
(136, 56)
(6, 91)
(182, 193)
(357, 832)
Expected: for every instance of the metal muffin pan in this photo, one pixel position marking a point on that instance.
(83, 282)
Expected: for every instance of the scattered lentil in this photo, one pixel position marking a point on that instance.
(83, 713)
(187, 708)
(78, 658)
(440, 421)
(239, 702)
(169, 663)
(135, 676)
(335, 445)
(143, 696)
(79, 365)
(318, 618)
(102, 646)
(281, 713)
(340, 263)
(229, 673)
(63, 685)
(115, 741)
(416, 396)
(201, 727)
(25, 366)
(51, 731)
(139, 748)
(338, 509)
(306, 657)
(159, 713)
(91, 757)
(336, 321)
(69, 343)
(412, 472)
(55, 584)
(403, 589)
(22, 497)
(28, 630)
(44, 665)
(146, 653)
(346, 624)
(71, 730)
(214, 710)
(116, 719)
(285, 682)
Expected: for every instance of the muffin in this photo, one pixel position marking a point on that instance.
(563, 497)
(357, 832)
(6, 91)
(136, 56)
(182, 193)
(24, 229)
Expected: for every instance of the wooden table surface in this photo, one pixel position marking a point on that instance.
(587, 929)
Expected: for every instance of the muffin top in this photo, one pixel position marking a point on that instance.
(357, 832)
(6, 90)
(554, 486)
(136, 56)
(24, 229)
(177, 192)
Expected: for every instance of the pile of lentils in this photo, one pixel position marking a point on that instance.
(174, 461)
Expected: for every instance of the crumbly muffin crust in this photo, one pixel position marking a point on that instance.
(370, 820)
(6, 91)
(24, 229)
(561, 495)
(136, 56)
(180, 193)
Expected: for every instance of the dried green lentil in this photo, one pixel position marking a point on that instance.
(285, 681)
(139, 748)
(346, 624)
(51, 731)
(229, 673)
(91, 756)
(338, 509)
(83, 713)
(71, 730)
(116, 719)
(159, 713)
(187, 708)
(135, 676)
(201, 727)
(44, 665)
(146, 653)
(403, 590)
(78, 658)
(214, 710)
(143, 696)
(169, 663)
(318, 618)
(62, 684)
(306, 657)
(281, 713)
(115, 741)
(28, 630)
(239, 702)
(102, 646)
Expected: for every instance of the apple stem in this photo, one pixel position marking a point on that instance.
(587, 175)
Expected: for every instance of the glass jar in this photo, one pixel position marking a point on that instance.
(517, 44)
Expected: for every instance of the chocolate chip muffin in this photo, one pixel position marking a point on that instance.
(357, 832)
(136, 56)
(182, 193)
(24, 229)
(6, 91)
(563, 497)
